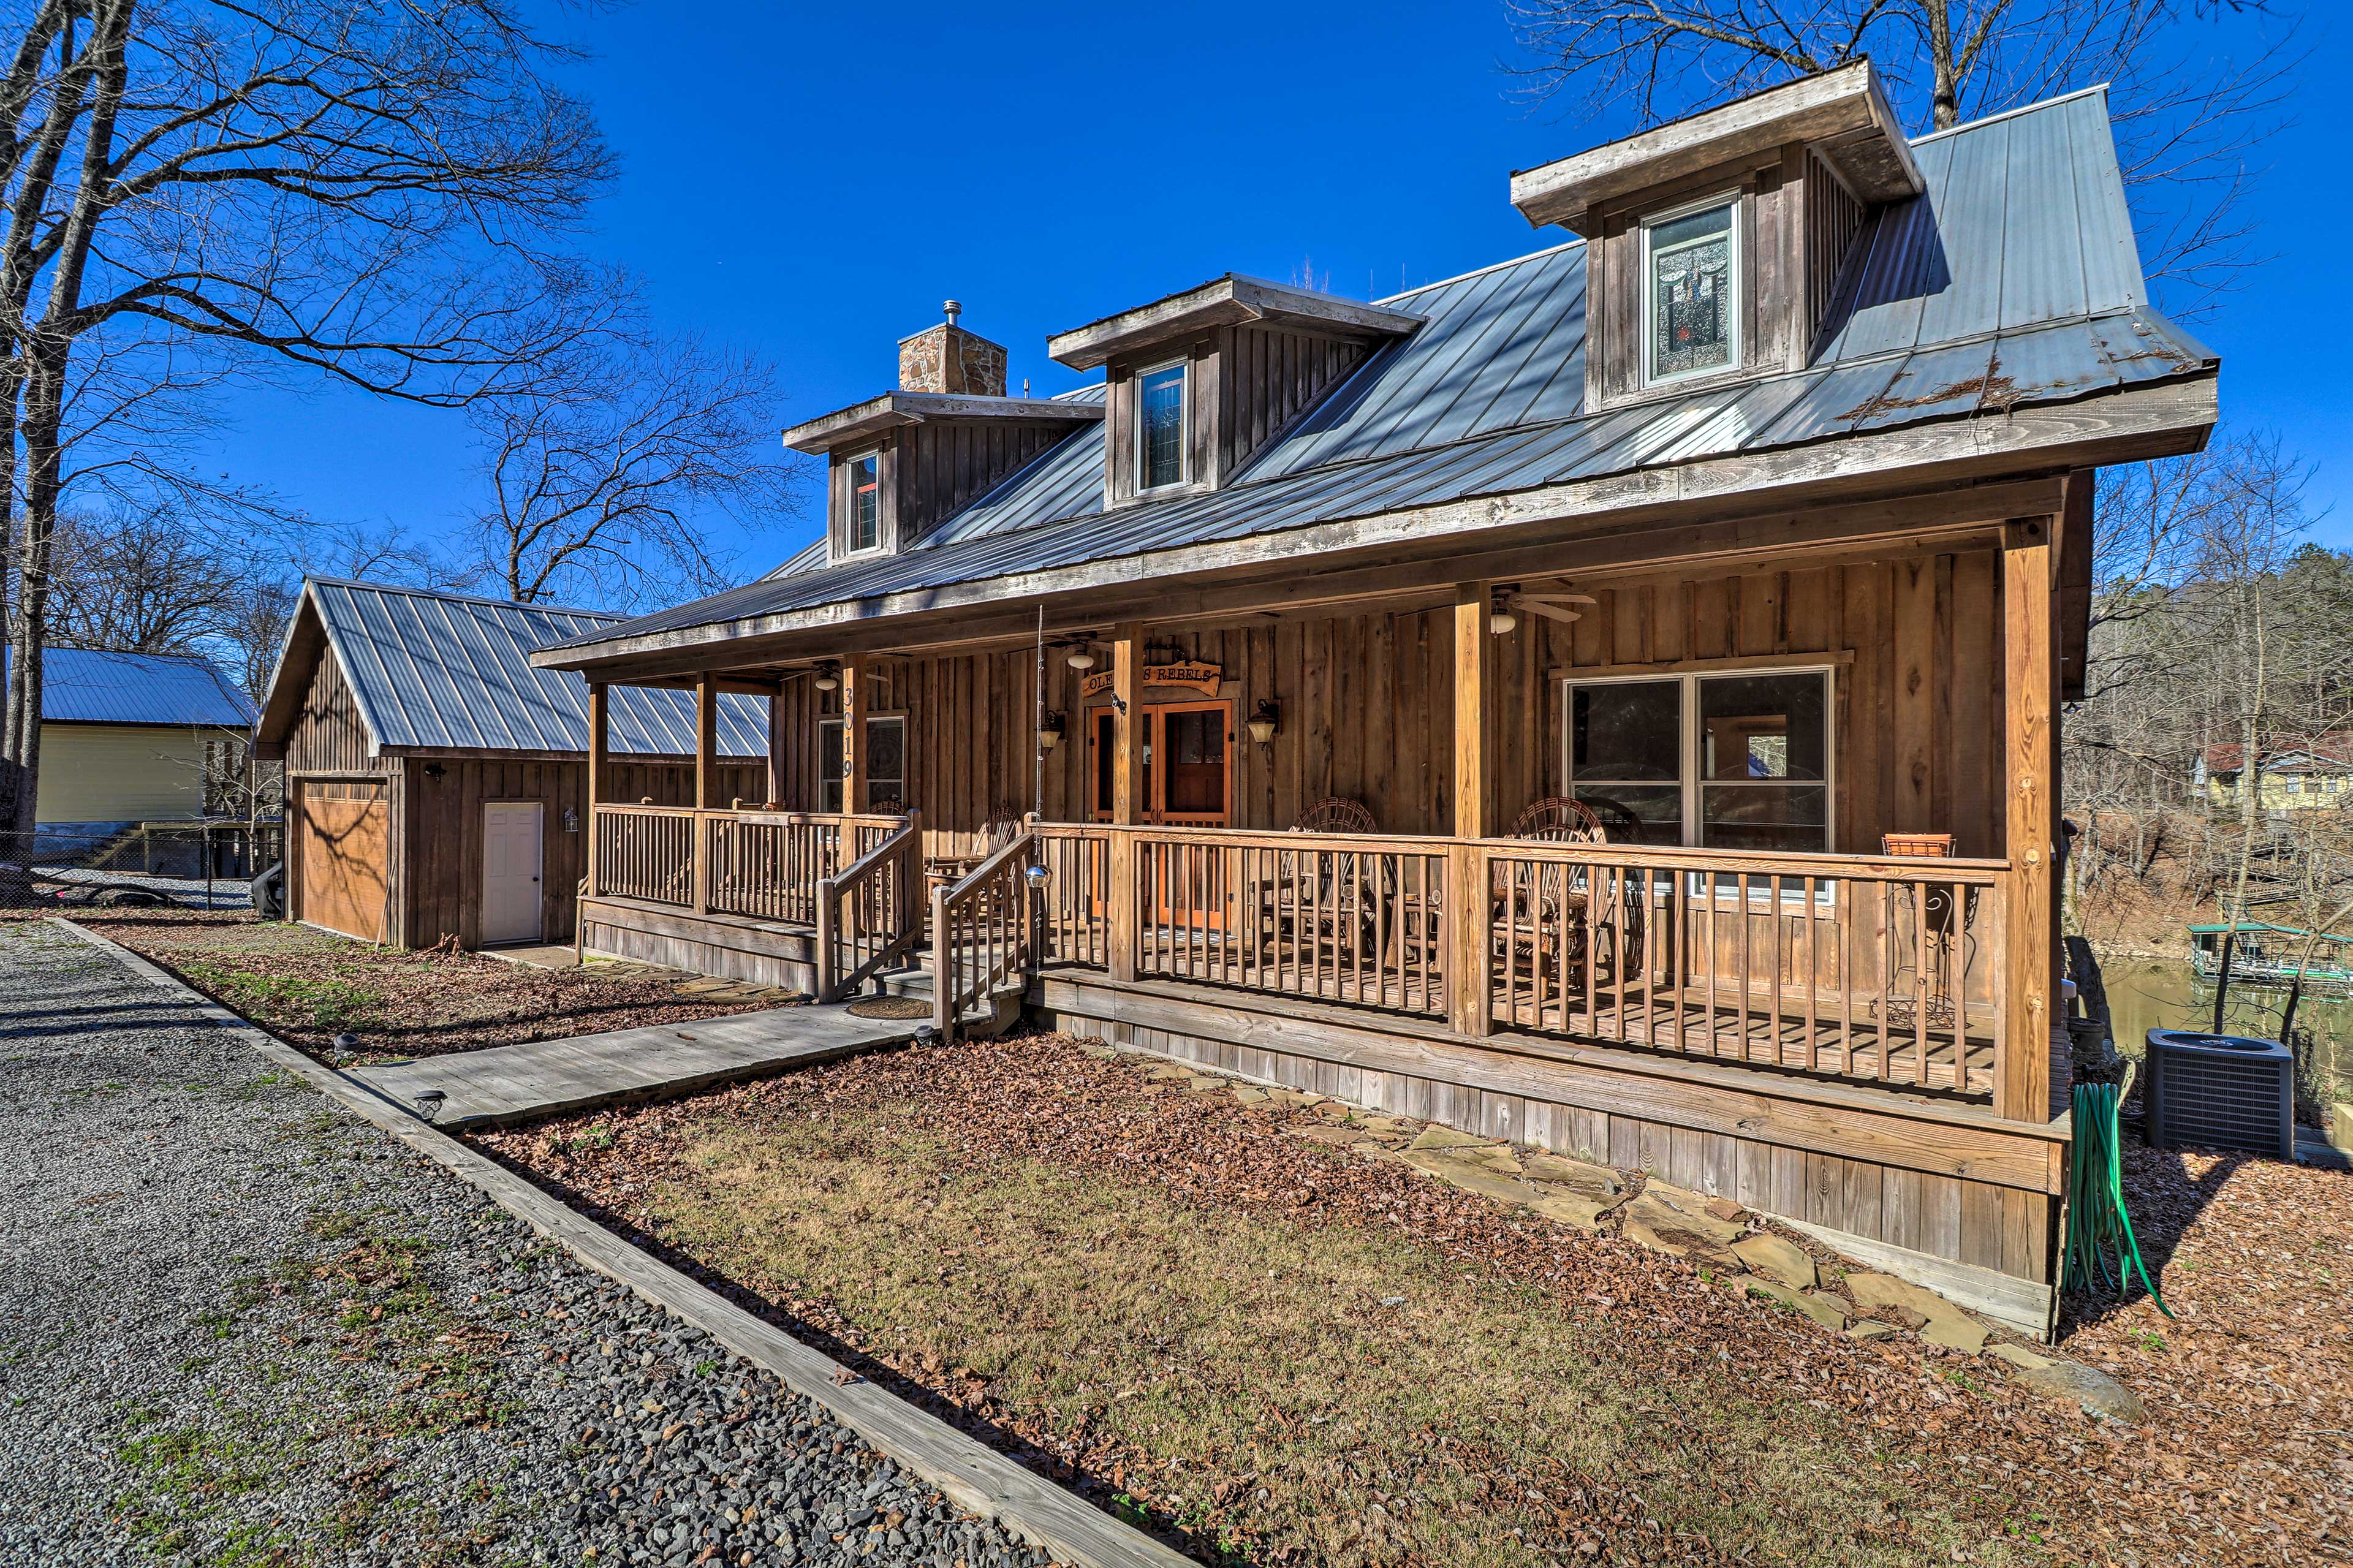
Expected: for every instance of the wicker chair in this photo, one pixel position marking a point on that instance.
(1342, 921)
(1004, 826)
(1535, 914)
(1336, 813)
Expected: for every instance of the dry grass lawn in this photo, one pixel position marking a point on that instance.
(1293, 1355)
(1396, 1404)
(309, 985)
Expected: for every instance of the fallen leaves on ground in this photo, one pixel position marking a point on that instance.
(2247, 1457)
(309, 985)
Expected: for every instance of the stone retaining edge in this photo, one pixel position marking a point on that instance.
(972, 1474)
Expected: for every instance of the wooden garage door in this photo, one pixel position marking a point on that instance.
(344, 860)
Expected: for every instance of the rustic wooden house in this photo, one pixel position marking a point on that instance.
(1610, 698)
(436, 781)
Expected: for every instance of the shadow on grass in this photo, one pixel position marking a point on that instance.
(1097, 1491)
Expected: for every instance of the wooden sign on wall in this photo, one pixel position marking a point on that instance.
(1201, 678)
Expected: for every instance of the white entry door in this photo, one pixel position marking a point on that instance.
(511, 868)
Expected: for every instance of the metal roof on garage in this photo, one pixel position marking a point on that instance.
(449, 672)
(2012, 280)
(89, 686)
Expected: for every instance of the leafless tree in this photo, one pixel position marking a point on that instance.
(367, 190)
(144, 582)
(602, 477)
(2186, 123)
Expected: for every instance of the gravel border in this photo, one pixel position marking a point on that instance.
(959, 1469)
(242, 1324)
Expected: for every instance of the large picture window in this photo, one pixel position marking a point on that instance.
(1735, 760)
(1690, 305)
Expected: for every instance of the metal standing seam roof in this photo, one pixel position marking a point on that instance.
(87, 686)
(2012, 280)
(448, 672)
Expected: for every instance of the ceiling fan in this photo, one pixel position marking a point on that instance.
(1512, 603)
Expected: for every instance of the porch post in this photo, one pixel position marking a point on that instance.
(853, 739)
(1471, 918)
(600, 753)
(775, 789)
(1124, 916)
(2031, 749)
(1471, 780)
(706, 782)
(1127, 727)
(706, 742)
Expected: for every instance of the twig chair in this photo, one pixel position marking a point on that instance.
(1537, 913)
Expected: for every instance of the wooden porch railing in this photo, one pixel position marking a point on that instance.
(871, 912)
(984, 933)
(646, 852)
(1888, 970)
(762, 864)
(1881, 971)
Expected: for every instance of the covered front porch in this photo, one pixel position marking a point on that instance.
(1737, 869)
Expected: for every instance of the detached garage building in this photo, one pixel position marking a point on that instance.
(437, 784)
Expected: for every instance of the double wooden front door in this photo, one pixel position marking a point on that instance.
(1187, 763)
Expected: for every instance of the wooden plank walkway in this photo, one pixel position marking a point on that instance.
(506, 1084)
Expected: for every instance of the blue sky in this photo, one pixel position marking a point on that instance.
(813, 182)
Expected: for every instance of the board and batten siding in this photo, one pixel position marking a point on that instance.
(1367, 702)
(122, 772)
(328, 736)
(442, 832)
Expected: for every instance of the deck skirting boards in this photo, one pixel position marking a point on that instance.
(762, 953)
(2019, 1305)
(1966, 1209)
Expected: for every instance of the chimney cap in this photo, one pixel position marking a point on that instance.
(952, 309)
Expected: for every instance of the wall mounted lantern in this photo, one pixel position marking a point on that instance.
(1265, 721)
(435, 770)
(1049, 731)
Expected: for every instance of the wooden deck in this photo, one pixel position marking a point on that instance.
(507, 1084)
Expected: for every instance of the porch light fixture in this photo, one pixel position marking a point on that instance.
(1049, 731)
(1502, 623)
(828, 676)
(1265, 721)
(1080, 657)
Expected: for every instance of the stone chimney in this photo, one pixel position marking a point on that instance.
(948, 359)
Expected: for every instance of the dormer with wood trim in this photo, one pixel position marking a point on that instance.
(1715, 244)
(1199, 383)
(898, 464)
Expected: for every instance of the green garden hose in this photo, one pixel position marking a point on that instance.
(2101, 1251)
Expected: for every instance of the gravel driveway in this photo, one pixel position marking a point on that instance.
(240, 1326)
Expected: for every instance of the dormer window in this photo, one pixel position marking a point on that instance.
(865, 501)
(1691, 304)
(1160, 427)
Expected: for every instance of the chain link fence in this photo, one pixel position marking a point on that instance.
(184, 865)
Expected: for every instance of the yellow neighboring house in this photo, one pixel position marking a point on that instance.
(135, 737)
(2311, 774)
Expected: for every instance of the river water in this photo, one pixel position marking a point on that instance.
(2147, 993)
